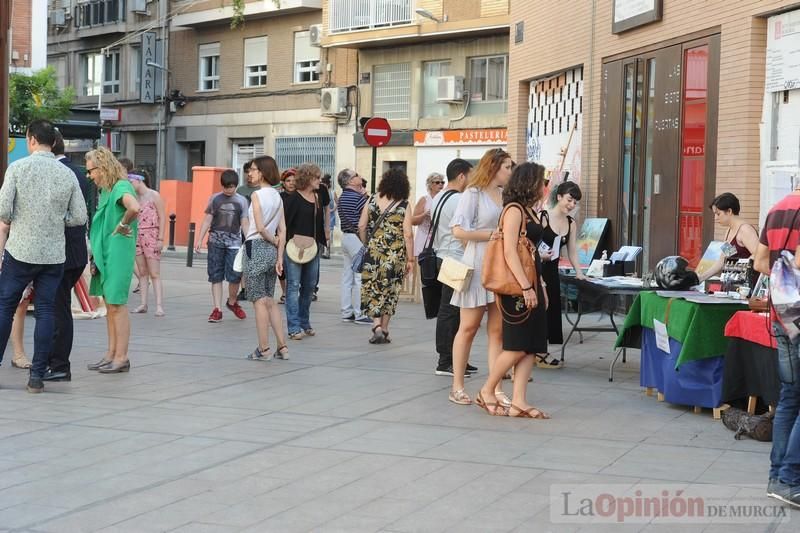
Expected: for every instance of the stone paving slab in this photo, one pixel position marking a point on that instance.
(345, 436)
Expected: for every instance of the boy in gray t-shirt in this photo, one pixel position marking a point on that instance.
(226, 218)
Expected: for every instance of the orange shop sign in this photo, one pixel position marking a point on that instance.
(461, 137)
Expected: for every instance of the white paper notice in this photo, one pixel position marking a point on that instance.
(662, 339)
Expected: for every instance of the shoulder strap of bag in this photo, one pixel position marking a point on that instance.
(522, 229)
(437, 214)
(380, 218)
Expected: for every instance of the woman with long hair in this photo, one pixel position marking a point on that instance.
(113, 240)
(264, 246)
(390, 255)
(474, 222)
(525, 321)
(150, 241)
(561, 227)
(421, 218)
(304, 215)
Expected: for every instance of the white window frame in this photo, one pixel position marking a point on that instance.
(111, 76)
(255, 68)
(91, 84)
(243, 150)
(483, 98)
(208, 53)
(304, 62)
(390, 99)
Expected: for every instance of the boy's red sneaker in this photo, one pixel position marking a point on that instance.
(236, 309)
(216, 315)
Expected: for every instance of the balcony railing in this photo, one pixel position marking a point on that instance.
(352, 15)
(99, 12)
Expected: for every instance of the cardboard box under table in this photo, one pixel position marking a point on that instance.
(691, 373)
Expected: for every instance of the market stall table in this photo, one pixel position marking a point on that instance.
(691, 372)
(602, 293)
(751, 361)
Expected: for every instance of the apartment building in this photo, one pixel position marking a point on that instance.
(28, 36)
(436, 69)
(111, 53)
(256, 89)
(661, 105)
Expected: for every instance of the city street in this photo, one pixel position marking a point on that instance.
(345, 436)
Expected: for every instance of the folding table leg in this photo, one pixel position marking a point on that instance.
(574, 326)
(621, 352)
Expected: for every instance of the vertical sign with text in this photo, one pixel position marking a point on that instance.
(147, 80)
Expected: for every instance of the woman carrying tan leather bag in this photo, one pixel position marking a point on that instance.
(525, 315)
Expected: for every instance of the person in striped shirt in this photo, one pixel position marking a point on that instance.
(351, 203)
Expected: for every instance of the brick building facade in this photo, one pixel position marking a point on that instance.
(669, 111)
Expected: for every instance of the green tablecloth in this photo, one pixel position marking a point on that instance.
(700, 328)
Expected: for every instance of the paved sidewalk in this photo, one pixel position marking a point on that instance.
(345, 436)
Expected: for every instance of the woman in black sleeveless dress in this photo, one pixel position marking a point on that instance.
(568, 194)
(524, 317)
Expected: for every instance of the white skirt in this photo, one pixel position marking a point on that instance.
(474, 295)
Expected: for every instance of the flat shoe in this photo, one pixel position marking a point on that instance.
(459, 397)
(142, 309)
(21, 362)
(100, 364)
(498, 410)
(503, 399)
(116, 368)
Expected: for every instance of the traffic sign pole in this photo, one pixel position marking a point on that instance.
(374, 170)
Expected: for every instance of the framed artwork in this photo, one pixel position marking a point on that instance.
(590, 239)
(629, 14)
(710, 256)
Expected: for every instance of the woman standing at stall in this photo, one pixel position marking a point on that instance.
(474, 222)
(522, 336)
(113, 240)
(560, 227)
(741, 235)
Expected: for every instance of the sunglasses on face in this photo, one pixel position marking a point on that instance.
(437, 182)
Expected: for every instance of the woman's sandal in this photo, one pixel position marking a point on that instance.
(503, 398)
(160, 312)
(260, 355)
(386, 337)
(282, 352)
(377, 338)
(21, 361)
(459, 397)
(140, 309)
(543, 361)
(497, 409)
(533, 412)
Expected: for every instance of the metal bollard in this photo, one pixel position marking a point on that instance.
(171, 246)
(190, 251)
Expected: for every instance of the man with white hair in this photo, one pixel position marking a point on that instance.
(351, 203)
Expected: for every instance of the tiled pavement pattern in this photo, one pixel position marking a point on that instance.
(345, 436)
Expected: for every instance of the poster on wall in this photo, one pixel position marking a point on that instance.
(555, 125)
(17, 149)
(783, 52)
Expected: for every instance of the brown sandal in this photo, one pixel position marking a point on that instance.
(533, 412)
(497, 409)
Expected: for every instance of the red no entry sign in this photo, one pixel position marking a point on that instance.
(377, 132)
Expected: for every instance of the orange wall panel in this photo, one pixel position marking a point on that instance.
(205, 182)
(177, 196)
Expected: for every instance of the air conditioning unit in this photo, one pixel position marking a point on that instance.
(334, 102)
(450, 89)
(315, 34)
(139, 6)
(116, 142)
(58, 17)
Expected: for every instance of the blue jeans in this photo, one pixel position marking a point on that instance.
(14, 277)
(300, 283)
(785, 457)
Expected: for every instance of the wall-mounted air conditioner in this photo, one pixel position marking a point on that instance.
(58, 17)
(315, 34)
(450, 89)
(334, 102)
(139, 6)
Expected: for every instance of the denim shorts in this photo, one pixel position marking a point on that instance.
(220, 265)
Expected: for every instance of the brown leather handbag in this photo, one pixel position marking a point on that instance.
(495, 274)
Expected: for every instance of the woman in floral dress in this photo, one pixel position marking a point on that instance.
(385, 228)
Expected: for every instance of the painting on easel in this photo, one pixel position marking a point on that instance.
(590, 240)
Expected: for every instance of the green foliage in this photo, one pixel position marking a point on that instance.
(37, 97)
(238, 12)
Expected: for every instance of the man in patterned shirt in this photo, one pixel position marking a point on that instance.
(39, 197)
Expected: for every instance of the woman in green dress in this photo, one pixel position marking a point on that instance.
(113, 242)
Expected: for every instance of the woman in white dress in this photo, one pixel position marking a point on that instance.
(421, 217)
(474, 222)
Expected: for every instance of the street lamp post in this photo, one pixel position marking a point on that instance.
(161, 139)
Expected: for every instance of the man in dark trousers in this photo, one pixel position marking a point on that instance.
(75, 263)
